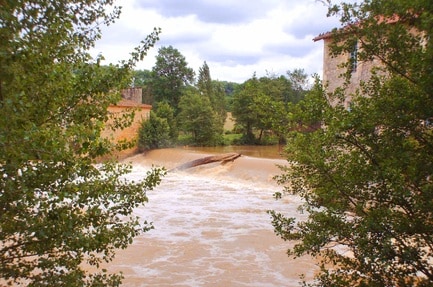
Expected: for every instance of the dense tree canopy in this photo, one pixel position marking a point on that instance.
(197, 118)
(196, 109)
(170, 76)
(366, 176)
(204, 81)
(214, 91)
(59, 212)
(263, 105)
(154, 133)
(243, 109)
(299, 85)
(160, 130)
(141, 78)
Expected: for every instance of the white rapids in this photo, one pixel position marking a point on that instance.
(211, 227)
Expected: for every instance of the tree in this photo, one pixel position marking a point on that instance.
(154, 133)
(60, 213)
(141, 78)
(263, 106)
(229, 89)
(160, 130)
(204, 81)
(273, 109)
(218, 100)
(165, 111)
(214, 91)
(197, 117)
(366, 176)
(243, 109)
(299, 80)
(170, 76)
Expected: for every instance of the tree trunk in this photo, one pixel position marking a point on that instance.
(223, 158)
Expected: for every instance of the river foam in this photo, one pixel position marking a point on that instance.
(211, 226)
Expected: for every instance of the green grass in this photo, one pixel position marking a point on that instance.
(229, 139)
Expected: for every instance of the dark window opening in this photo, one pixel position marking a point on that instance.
(354, 57)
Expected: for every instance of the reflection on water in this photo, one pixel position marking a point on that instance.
(211, 226)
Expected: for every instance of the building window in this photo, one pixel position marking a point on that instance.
(349, 106)
(354, 57)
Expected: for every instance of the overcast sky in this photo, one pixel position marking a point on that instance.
(235, 37)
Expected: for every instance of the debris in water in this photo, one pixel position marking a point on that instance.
(223, 158)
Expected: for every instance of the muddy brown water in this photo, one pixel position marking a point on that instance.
(211, 225)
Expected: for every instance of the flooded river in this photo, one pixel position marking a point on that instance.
(211, 225)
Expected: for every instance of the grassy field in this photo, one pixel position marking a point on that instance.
(230, 123)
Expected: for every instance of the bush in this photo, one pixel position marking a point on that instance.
(154, 133)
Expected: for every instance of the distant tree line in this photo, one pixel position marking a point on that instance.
(263, 106)
(192, 110)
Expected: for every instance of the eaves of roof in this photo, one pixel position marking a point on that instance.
(322, 36)
(380, 19)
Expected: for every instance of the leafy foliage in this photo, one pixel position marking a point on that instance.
(172, 84)
(165, 111)
(229, 89)
(243, 109)
(141, 78)
(199, 119)
(204, 81)
(214, 91)
(159, 130)
(264, 105)
(366, 175)
(60, 212)
(299, 82)
(170, 76)
(154, 133)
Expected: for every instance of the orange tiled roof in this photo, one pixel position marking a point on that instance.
(380, 19)
(322, 36)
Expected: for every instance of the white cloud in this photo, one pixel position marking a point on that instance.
(235, 38)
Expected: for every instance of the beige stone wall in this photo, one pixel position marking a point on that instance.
(132, 94)
(332, 72)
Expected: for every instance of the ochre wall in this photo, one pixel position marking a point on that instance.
(130, 133)
(142, 113)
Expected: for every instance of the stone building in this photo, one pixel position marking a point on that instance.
(133, 94)
(332, 70)
(131, 100)
(361, 70)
